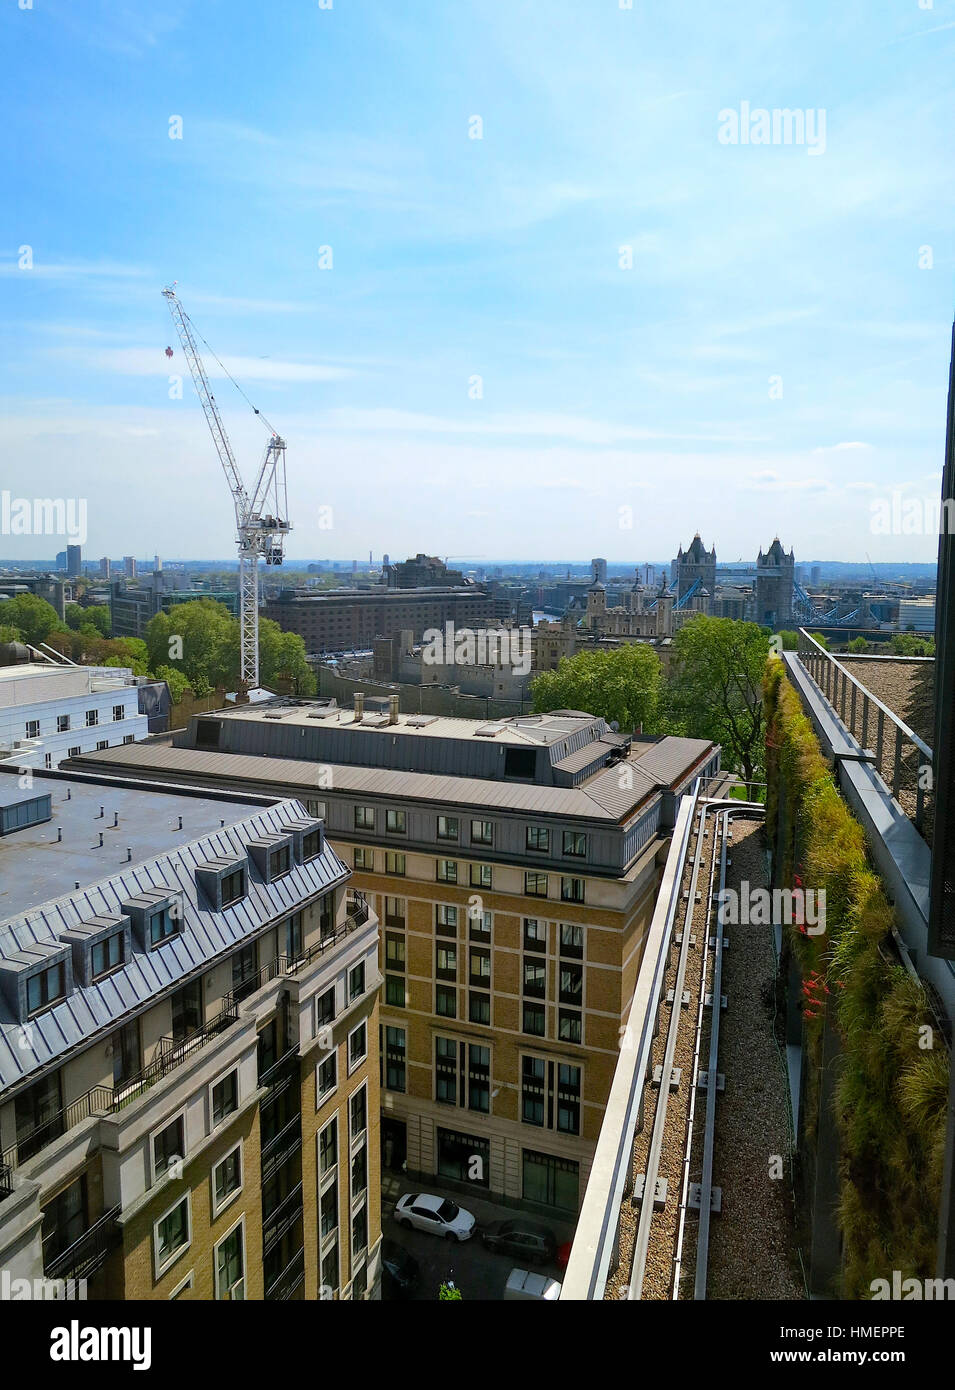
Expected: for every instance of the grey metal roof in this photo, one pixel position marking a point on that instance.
(206, 933)
(672, 758)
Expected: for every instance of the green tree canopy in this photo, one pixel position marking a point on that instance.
(714, 689)
(31, 615)
(282, 657)
(622, 686)
(199, 638)
(95, 616)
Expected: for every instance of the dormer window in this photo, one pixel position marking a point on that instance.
(280, 861)
(233, 887)
(108, 955)
(160, 926)
(311, 845)
(46, 988)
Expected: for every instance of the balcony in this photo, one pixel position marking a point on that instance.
(85, 1256)
(283, 1288)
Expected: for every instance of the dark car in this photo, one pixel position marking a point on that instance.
(399, 1270)
(528, 1240)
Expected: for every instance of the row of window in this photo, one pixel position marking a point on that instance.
(537, 837)
(64, 722)
(550, 1091)
(536, 885)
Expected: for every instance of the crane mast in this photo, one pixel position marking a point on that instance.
(262, 518)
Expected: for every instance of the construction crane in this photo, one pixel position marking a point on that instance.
(261, 517)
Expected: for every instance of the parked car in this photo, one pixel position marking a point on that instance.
(439, 1215)
(519, 1235)
(399, 1270)
(521, 1283)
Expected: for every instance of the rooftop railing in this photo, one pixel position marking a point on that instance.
(901, 758)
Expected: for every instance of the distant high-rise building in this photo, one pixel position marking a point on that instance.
(129, 566)
(104, 567)
(74, 560)
(815, 575)
(157, 564)
(599, 568)
(61, 559)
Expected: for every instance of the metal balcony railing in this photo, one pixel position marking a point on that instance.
(901, 758)
(85, 1256)
(288, 1281)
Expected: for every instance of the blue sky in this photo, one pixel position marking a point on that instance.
(601, 388)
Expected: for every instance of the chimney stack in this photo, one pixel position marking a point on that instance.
(359, 706)
(393, 702)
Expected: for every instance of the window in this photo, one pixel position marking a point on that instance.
(359, 1232)
(533, 1071)
(46, 987)
(482, 832)
(395, 822)
(293, 936)
(162, 925)
(328, 1209)
(534, 1019)
(328, 1148)
(538, 839)
(227, 1179)
(394, 862)
(550, 1181)
(535, 885)
(126, 1052)
(172, 1234)
(446, 962)
(108, 955)
(571, 984)
(62, 723)
(395, 991)
(479, 1008)
(357, 1108)
(446, 1070)
(47, 760)
(520, 763)
(481, 876)
(364, 817)
(245, 973)
(535, 979)
(92, 718)
(129, 738)
(395, 912)
(229, 1265)
(356, 982)
(75, 752)
(325, 1008)
(572, 890)
(119, 712)
(446, 871)
(316, 808)
(232, 887)
(479, 967)
(280, 862)
(394, 951)
(169, 1146)
(571, 940)
(101, 744)
(535, 934)
(359, 1171)
(357, 1046)
(327, 1076)
(575, 844)
(446, 920)
(479, 925)
(446, 1001)
(569, 1029)
(394, 1058)
(568, 1099)
(364, 859)
(65, 1219)
(311, 845)
(479, 1078)
(225, 1097)
(447, 827)
(33, 728)
(456, 1155)
(330, 1271)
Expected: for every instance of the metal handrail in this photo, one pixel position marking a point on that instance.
(87, 1254)
(845, 694)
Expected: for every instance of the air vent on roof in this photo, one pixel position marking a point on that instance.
(488, 730)
(375, 721)
(420, 721)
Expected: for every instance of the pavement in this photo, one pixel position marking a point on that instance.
(479, 1274)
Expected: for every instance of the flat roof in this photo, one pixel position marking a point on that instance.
(519, 730)
(36, 866)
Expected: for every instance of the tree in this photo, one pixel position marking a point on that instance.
(622, 686)
(790, 640)
(714, 689)
(31, 615)
(95, 616)
(199, 638)
(282, 657)
(177, 682)
(858, 644)
(449, 1292)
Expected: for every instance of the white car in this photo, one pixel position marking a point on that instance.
(439, 1215)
